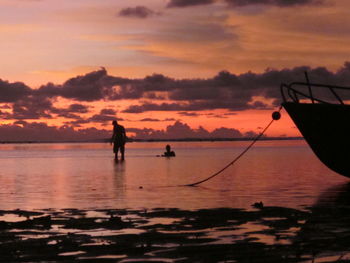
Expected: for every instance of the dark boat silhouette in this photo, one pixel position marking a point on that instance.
(322, 116)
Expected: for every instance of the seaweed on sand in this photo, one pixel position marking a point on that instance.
(206, 235)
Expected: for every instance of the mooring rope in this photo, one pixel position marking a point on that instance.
(275, 116)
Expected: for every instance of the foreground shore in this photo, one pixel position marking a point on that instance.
(263, 234)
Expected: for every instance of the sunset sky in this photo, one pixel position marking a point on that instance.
(163, 68)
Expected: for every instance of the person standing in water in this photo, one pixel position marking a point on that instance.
(118, 139)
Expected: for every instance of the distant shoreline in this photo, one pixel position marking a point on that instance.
(163, 140)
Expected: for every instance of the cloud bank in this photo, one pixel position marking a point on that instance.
(41, 132)
(180, 130)
(24, 106)
(36, 131)
(157, 92)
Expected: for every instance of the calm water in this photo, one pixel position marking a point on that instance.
(281, 173)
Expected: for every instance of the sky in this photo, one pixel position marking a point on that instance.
(163, 68)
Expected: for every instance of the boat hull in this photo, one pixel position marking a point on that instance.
(326, 128)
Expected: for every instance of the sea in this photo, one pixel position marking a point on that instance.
(283, 173)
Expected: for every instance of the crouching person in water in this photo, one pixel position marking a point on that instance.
(118, 139)
(168, 152)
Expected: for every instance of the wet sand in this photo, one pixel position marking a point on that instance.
(262, 234)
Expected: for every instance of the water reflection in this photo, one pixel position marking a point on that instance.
(119, 180)
(119, 167)
(279, 173)
(335, 197)
(325, 236)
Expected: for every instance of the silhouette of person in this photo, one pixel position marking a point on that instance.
(169, 152)
(118, 139)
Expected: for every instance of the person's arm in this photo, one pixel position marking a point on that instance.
(113, 136)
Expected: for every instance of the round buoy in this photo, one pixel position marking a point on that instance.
(276, 115)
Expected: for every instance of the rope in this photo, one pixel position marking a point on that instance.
(240, 155)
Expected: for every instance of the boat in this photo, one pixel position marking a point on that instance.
(322, 115)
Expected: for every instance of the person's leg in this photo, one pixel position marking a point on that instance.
(122, 150)
(115, 150)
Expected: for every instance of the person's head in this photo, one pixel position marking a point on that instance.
(167, 148)
(114, 123)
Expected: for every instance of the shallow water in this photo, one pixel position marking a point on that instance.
(85, 176)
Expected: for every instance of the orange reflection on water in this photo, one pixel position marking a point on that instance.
(284, 173)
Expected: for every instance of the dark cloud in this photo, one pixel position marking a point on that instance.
(180, 130)
(191, 106)
(230, 91)
(154, 107)
(211, 115)
(41, 132)
(77, 123)
(108, 112)
(156, 120)
(280, 3)
(23, 131)
(105, 116)
(78, 108)
(101, 118)
(86, 88)
(33, 107)
(196, 114)
(153, 96)
(188, 114)
(138, 12)
(150, 120)
(12, 92)
(226, 133)
(188, 3)
(233, 92)
(93, 86)
(72, 112)
(70, 116)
